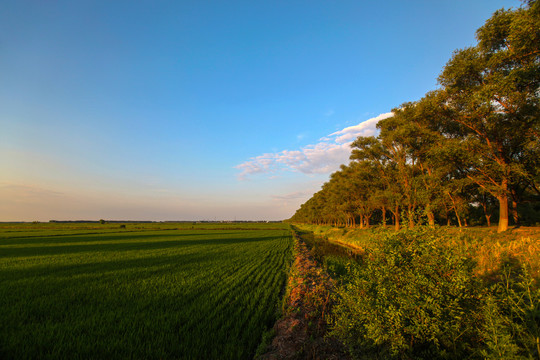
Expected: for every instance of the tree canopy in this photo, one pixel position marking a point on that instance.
(452, 155)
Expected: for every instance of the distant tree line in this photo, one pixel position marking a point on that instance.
(464, 153)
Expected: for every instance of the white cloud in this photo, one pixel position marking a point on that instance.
(293, 196)
(366, 128)
(321, 158)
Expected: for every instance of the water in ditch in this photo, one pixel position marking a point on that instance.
(334, 257)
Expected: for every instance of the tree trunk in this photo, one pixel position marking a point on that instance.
(454, 206)
(458, 218)
(503, 207)
(503, 213)
(396, 217)
(488, 216)
(410, 214)
(515, 215)
(431, 217)
(383, 216)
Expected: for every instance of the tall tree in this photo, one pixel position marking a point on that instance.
(478, 134)
(492, 92)
(371, 151)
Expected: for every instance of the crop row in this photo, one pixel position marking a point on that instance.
(161, 294)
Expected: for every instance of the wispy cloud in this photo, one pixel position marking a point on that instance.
(324, 157)
(292, 196)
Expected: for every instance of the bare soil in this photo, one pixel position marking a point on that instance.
(302, 332)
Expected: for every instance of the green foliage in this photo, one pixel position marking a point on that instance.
(380, 298)
(496, 333)
(97, 291)
(512, 317)
(472, 142)
(411, 298)
(266, 340)
(337, 266)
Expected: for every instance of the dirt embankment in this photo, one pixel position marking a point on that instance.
(301, 332)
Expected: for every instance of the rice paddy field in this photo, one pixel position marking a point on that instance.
(152, 291)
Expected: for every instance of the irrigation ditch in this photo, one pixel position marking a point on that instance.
(302, 330)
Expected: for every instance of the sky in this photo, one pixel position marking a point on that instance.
(204, 110)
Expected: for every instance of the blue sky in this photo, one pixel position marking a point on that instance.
(177, 110)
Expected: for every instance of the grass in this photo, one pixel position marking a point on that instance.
(487, 247)
(95, 291)
(10, 230)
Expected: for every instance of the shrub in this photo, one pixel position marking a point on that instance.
(412, 297)
(512, 315)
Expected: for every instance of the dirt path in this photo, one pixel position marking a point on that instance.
(300, 333)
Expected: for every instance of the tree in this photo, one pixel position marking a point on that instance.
(370, 150)
(491, 92)
(475, 139)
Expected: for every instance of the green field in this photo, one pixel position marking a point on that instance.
(147, 291)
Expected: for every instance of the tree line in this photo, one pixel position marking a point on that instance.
(463, 153)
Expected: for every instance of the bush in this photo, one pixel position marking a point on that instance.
(512, 315)
(413, 297)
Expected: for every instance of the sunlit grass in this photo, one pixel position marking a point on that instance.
(484, 245)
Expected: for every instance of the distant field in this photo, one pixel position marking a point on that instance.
(98, 291)
(54, 229)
